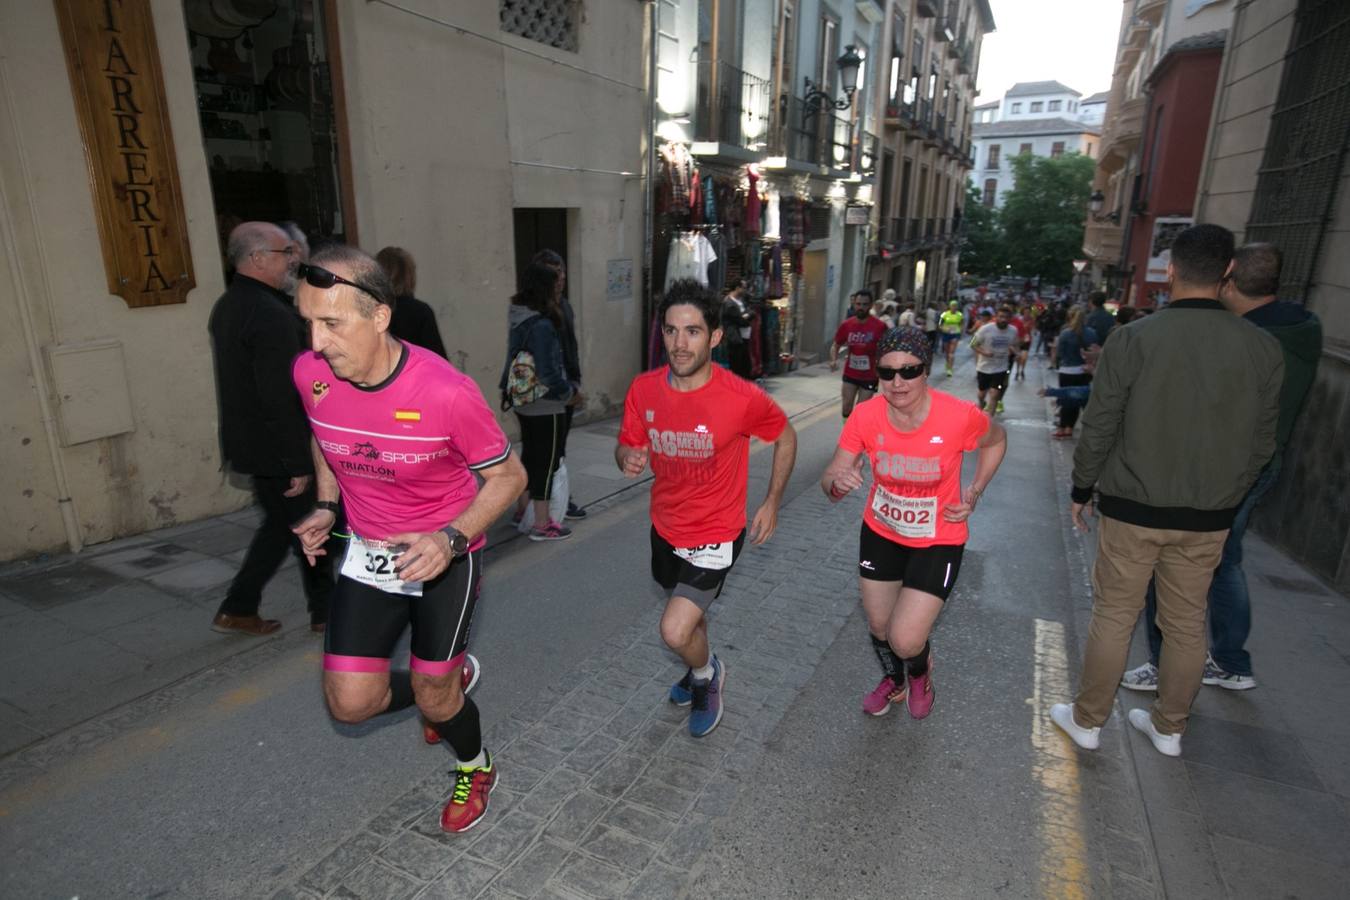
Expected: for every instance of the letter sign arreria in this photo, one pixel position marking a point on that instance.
(124, 121)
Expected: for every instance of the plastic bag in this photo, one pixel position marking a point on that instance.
(557, 501)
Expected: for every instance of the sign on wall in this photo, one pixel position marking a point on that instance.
(1165, 231)
(115, 77)
(619, 279)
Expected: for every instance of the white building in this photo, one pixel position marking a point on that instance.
(1043, 118)
(1092, 110)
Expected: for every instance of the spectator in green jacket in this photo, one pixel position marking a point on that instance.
(1249, 291)
(1181, 421)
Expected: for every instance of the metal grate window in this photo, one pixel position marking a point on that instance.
(551, 22)
(1309, 135)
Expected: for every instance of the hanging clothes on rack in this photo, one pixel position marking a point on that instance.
(771, 217)
(690, 255)
(794, 223)
(752, 203)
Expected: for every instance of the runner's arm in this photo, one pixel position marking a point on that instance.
(502, 484)
(325, 483)
(313, 529)
(842, 475)
(784, 455)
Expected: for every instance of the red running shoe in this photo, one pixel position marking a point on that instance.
(920, 699)
(469, 677)
(469, 798)
(879, 701)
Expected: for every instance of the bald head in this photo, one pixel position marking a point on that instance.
(263, 252)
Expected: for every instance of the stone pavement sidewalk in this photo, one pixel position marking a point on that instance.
(603, 793)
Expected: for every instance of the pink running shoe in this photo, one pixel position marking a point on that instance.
(550, 532)
(920, 699)
(878, 703)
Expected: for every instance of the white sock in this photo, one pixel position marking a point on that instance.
(704, 672)
(477, 762)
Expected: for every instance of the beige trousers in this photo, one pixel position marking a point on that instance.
(1182, 565)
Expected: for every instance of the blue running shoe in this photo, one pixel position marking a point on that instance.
(706, 701)
(680, 693)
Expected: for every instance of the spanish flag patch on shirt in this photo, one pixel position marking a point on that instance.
(407, 415)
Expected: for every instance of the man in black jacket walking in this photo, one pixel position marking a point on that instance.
(255, 336)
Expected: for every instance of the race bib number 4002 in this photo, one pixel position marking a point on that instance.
(372, 563)
(911, 517)
(714, 557)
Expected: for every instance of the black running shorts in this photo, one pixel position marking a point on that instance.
(995, 380)
(682, 578)
(364, 622)
(932, 570)
(862, 385)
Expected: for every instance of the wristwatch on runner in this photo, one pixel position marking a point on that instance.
(329, 505)
(459, 544)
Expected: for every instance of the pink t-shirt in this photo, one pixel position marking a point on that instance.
(404, 452)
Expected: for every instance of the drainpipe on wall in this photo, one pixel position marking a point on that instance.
(649, 189)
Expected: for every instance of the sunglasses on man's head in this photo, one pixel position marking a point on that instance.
(909, 373)
(321, 278)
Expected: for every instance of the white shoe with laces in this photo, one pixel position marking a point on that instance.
(1141, 678)
(1166, 744)
(1087, 738)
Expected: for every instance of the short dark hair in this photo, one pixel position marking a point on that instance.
(549, 258)
(364, 270)
(863, 292)
(688, 292)
(1201, 254)
(1256, 269)
(398, 264)
(1097, 298)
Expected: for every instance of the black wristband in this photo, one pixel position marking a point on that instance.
(1081, 495)
(329, 505)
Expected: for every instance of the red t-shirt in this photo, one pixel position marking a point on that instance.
(915, 474)
(1023, 329)
(404, 452)
(861, 338)
(700, 450)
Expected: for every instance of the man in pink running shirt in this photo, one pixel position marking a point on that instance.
(399, 434)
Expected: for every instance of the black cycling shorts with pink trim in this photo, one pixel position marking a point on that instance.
(365, 623)
(932, 569)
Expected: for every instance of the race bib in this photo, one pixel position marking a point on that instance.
(714, 557)
(372, 563)
(859, 363)
(911, 517)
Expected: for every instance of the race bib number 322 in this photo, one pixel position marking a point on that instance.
(372, 563)
(911, 517)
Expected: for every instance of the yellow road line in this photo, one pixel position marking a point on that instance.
(1064, 868)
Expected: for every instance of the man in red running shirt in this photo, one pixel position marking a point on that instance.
(859, 335)
(694, 421)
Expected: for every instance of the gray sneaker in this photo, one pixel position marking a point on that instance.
(1143, 678)
(1230, 681)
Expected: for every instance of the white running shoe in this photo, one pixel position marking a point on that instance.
(1166, 744)
(1087, 738)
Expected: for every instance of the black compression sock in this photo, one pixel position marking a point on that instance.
(400, 691)
(891, 666)
(917, 666)
(462, 732)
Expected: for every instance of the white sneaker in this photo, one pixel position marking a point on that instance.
(1087, 738)
(1141, 678)
(1216, 676)
(1166, 744)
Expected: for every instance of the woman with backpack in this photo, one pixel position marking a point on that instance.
(535, 387)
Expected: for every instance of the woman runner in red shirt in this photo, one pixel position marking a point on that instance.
(914, 528)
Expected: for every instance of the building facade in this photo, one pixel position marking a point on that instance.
(1275, 170)
(502, 127)
(1126, 240)
(1042, 118)
(927, 106)
(755, 113)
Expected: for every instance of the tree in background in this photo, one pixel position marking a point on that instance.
(1043, 215)
(982, 251)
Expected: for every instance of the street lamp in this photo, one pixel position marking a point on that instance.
(1095, 204)
(848, 64)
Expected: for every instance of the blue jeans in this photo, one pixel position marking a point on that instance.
(1230, 606)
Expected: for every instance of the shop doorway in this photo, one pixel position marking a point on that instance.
(814, 293)
(539, 229)
(271, 114)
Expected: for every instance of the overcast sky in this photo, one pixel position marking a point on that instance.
(1069, 41)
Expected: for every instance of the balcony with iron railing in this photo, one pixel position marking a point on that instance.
(928, 9)
(817, 137)
(732, 106)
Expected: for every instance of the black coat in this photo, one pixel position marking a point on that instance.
(255, 336)
(415, 322)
